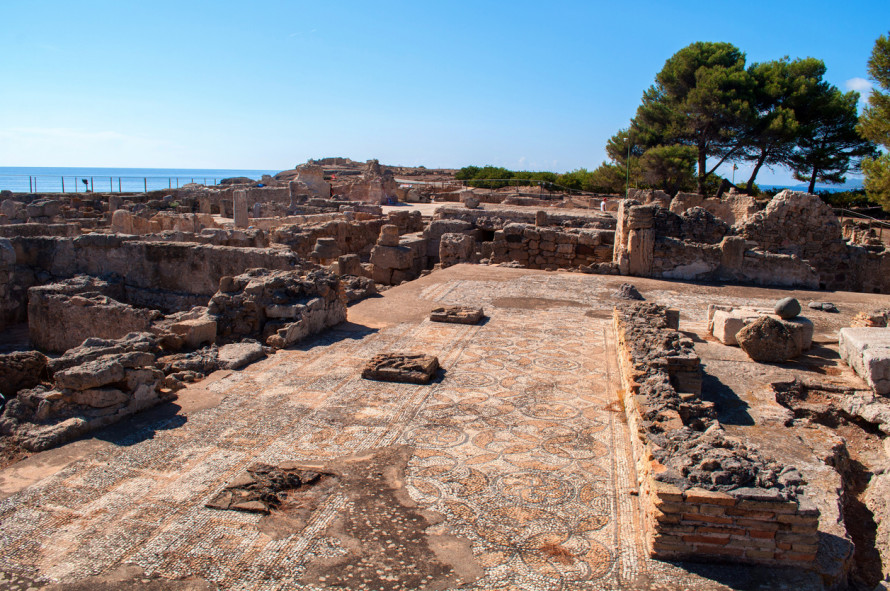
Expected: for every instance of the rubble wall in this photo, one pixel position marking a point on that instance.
(538, 247)
(795, 242)
(727, 506)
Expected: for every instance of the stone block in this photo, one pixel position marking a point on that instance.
(389, 235)
(392, 257)
(237, 355)
(412, 368)
(457, 315)
(867, 351)
(196, 331)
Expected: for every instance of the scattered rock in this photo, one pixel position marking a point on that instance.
(628, 291)
(823, 306)
(457, 314)
(412, 368)
(787, 308)
(768, 340)
(238, 355)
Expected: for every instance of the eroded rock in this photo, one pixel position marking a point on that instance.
(412, 368)
(457, 314)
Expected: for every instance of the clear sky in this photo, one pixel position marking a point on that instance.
(267, 85)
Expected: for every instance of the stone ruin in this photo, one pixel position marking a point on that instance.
(127, 299)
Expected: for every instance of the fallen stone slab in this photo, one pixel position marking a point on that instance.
(238, 355)
(867, 351)
(457, 314)
(412, 368)
(263, 488)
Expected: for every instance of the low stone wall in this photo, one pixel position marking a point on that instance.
(13, 230)
(8, 304)
(496, 219)
(353, 237)
(278, 307)
(541, 247)
(706, 495)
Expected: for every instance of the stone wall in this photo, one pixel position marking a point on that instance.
(541, 247)
(706, 495)
(278, 307)
(62, 315)
(162, 275)
(8, 304)
(795, 242)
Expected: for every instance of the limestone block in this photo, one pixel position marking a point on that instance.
(237, 355)
(349, 264)
(122, 222)
(732, 252)
(7, 253)
(389, 235)
(100, 398)
(456, 248)
(392, 257)
(727, 323)
(867, 351)
(92, 374)
(284, 311)
(196, 331)
(641, 245)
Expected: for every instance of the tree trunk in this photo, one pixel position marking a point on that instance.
(749, 188)
(702, 169)
(813, 180)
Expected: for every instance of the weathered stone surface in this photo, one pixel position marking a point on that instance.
(92, 374)
(100, 398)
(196, 331)
(357, 288)
(238, 355)
(787, 308)
(389, 235)
(867, 351)
(21, 370)
(240, 209)
(413, 368)
(456, 248)
(263, 488)
(278, 307)
(457, 314)
(824, 307)
(392, 257)
(326, 249)
(768, 340)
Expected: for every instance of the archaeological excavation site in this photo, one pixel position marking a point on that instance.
(357, 376)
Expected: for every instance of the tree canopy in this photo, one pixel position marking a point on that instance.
(875, 124)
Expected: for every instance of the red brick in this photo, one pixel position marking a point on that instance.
(748, 514)
(796, 556)
(667, 492)
(706, 518)
(755, 524)
(798, 519)
(777, 507)
(712, 510)
(767, 535)
(716, 540)
(706, 549)
(759, 554)
(674, 507)
(708, 497)
(783, 546)
(706, 529)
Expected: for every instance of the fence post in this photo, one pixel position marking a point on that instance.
(30, 190)
(118, 184)
(110, 185)
(63, 184)
(92, 188)
(169, 183)
(145, 184)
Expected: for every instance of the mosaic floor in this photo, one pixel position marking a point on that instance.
(519, 447)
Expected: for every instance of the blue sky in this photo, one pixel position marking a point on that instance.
(267, 85)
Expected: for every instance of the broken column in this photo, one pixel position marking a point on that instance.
(240, 208)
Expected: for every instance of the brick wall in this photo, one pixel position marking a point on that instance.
(688, 520)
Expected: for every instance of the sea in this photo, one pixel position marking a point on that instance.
(125, 180)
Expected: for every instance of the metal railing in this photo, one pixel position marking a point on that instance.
(842, 213)
(90, 184)
(548, 186)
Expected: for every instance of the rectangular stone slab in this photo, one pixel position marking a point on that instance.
(411, 368)
(457, 314)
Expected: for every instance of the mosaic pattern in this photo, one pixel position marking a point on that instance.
(521, 447)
